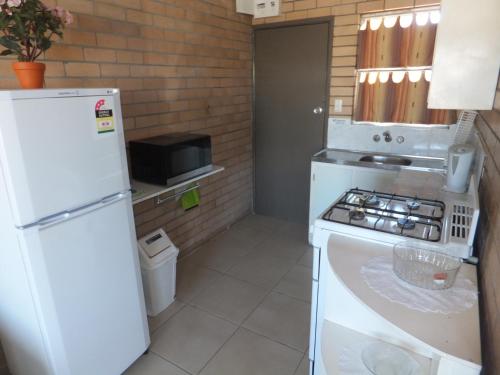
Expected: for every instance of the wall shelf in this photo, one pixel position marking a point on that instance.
(143, 191)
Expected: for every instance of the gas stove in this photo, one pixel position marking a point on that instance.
(436, 219)
(401, 215)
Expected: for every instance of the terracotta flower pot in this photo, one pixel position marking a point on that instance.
(29, 74)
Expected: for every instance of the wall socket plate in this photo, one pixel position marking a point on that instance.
(338, 105)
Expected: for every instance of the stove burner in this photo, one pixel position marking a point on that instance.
(406, 223)
(413, 204)
(357, 214)
(370, 200)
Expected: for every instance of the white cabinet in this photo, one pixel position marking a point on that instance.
(466, 55)
(329, 181)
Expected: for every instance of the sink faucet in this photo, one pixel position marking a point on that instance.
(387, 136)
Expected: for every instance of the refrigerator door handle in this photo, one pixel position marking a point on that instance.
(63, 216)
(112, 198)
(54, 219)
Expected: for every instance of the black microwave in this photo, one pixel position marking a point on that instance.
(170, 159)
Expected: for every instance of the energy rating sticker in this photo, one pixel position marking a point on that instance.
(104, 118)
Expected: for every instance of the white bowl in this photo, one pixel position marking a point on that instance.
(384, 359)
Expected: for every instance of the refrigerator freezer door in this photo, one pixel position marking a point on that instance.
(59, 154)
(86, 284)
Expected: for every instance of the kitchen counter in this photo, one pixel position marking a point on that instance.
(347, 157)
(454, 335)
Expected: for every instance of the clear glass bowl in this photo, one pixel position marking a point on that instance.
(424, 268)
(384, 359)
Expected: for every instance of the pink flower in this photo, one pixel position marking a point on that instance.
(13, 3)
(58, 11)
(2, 2)
(63, 14)
(68, 19)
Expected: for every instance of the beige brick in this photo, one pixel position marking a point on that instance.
(351, 40)
(110, 11)
(136, 16)
(345, 30)
(111, 41)
(328, 3)
(342, 91)
(285, 8)
(319, 12)
(352, 19)
(340, 10)
(93, 23)
(82, 70)
(64, 52)
(77, 6)
(419, 3)
(343, 72)
(343, 81)
(371, 6)
(79, 37)
(344, 61)
(115, 70)
(345, 51)
(129, 57)
(398, 4)
(304, 4)
(100, 54)
(296, 15)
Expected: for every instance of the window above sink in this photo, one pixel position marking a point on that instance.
(394, 69)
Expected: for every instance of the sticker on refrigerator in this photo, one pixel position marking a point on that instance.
(104, 118)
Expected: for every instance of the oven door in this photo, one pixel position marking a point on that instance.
(189, 159)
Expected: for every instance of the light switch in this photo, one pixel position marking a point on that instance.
(338, 105)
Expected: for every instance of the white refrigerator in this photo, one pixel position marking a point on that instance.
(71, 299)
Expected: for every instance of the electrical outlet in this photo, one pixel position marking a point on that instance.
(338, 105)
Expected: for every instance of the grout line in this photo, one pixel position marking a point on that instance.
(238, 325)
(172, 363)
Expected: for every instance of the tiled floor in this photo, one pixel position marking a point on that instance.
(242, 308)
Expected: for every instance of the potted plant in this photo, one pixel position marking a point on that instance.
(27, 28)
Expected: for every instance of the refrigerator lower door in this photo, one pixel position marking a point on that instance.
(55, 155)
(86, 285)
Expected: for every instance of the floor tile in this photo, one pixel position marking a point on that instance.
(192, 279)
(151, 364)
(221, 253)
(190, 338)
(296, 283)
(307, 258)
(261, 269)
(296, 231)
(156, 321)
(284, 247)
(263, 223)
(230, 299)
(283, 319)
(303, 368)
(247, 353)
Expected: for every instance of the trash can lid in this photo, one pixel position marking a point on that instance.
(156, 248)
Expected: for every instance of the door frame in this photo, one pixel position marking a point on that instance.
(278, 25)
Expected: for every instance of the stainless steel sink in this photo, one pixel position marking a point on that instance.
(383, 159)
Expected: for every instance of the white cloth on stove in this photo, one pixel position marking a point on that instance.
(379, 275)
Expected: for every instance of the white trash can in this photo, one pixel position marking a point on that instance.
(158, 256)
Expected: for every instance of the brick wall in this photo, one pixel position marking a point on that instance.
(347, 15)
(182, 65)
(488, 124)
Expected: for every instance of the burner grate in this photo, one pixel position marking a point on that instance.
(390, 213)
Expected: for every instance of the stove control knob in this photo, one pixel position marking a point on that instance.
(400, 139)
(376, 138)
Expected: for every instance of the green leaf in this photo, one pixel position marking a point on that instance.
(9, 43)
(6, 52)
